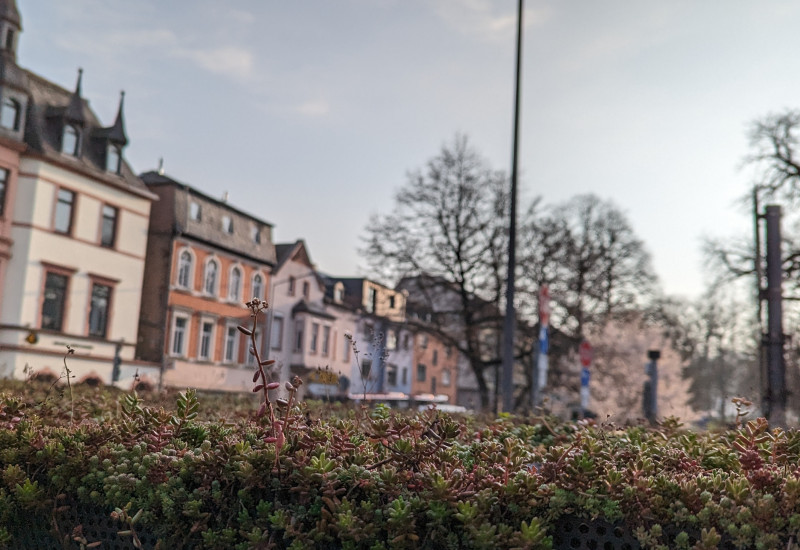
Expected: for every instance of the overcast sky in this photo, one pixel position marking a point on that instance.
(311, 112)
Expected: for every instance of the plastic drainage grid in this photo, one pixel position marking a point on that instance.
(573, 533)
(95, 523)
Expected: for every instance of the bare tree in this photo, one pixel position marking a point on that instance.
(723, 364)
(774, 141)
(444, 241)
(596, 266)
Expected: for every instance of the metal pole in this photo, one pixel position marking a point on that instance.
(651, 386)
(759, 273)
(510, 320)
(775, 363)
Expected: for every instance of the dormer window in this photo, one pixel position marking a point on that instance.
(70, 140)
(113, 158)
(338, 293)
(255, 234)
(10, 114)
(227, 224)
(194, 211)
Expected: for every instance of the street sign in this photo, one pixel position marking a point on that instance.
(586, 353)
(544, 305)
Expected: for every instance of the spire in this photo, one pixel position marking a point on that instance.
(10, 27)
(9, 12)
(75, 108)
(117, 131)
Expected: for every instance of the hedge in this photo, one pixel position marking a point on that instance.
(189, 475)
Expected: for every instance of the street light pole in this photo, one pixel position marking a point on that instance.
(509, 326)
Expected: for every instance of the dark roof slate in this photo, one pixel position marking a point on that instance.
(43, 133)
(312, 309)
(9, 12)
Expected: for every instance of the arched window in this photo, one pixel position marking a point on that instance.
(70, 140)
(10, 114)
(210, 279)
(113, 158)
(235, 285)
(258, 286)
(185, 269)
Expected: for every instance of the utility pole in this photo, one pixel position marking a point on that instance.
(509, 326)
(776, 367)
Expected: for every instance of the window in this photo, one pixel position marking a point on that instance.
(366, 368)
(235, 285)
(258, 286)
(435, 360)
(422, 372)
(10, 114)
(185, 269)
(326, 340)
(55, 295)
(210, 282)
(391, 340)
(423, 341)
(194, 211)
(306, 289)
(3, 185)
(180, 325)
(292, 281)
(314, 337)
(405, 341)
(433, 385)
(347, 345)
(372, 299)
(9, 45)
(277, 332)
(338, 293)
(391, 301)
(108, 230)
(391, 375)
(231, 343)
(206, 339)
(65, 203)
(113, 158)
(298, 335)
(70, 141)
(448, 351)
(255, 234)
(227, 224)
(446, 377)
(404, 376)
(98, 310)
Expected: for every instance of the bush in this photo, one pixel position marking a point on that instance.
(199, 476)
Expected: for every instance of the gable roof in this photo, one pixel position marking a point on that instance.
(296, 251)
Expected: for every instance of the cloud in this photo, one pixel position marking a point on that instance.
(231, 61)
(314, 108)
(481, 18)
(112, 45)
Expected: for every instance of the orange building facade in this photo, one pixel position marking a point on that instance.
(435, 369)
(205, 260)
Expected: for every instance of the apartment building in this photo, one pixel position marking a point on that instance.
(307, 338)
(205, 259)
(73, 229)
